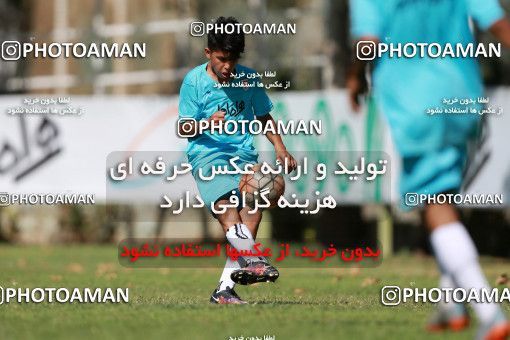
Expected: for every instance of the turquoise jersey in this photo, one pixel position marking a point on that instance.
(432, 147)
(200, 99)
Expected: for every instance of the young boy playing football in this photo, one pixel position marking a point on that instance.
(202, 99)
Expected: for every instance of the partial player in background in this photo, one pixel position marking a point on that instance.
(202, 99)
(433, 148)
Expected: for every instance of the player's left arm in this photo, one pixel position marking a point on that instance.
(356, 80)
(262, 107)
(276, 140)
(501, 30)
(490, 16)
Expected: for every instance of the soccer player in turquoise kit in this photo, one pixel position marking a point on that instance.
(202, 99)
(433, 148)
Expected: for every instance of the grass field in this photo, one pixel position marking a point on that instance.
(173, 303)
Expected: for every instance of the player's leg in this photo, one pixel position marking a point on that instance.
(239, 235)
(257, 269)
(457, 255)
(245, 270)
(252, 221)
(449, 315)
(225, 293)
(215, 193)
(436, 172)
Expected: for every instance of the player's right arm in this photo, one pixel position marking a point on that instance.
(366, 22)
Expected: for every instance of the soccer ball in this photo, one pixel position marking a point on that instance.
(252, 184)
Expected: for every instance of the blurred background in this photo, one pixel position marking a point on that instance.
(131, 105)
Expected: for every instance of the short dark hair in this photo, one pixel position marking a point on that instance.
(221, 41)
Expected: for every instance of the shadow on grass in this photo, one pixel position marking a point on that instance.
(284, 302)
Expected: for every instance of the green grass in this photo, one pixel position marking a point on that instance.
(173, 303)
